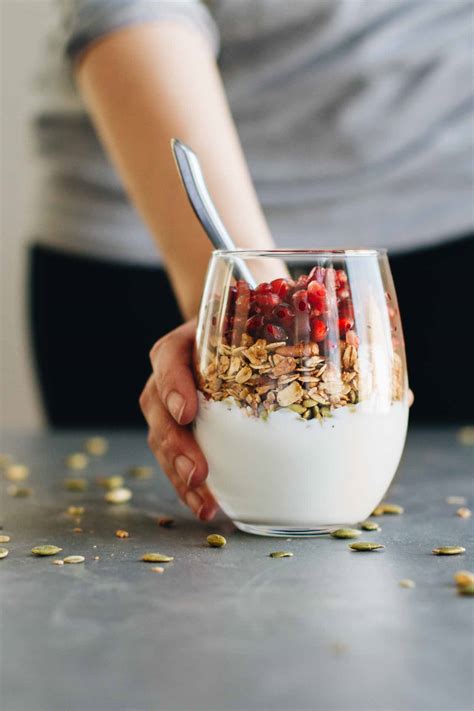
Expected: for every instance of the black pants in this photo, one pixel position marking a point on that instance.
(93, 324)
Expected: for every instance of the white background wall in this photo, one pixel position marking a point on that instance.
(24, 25)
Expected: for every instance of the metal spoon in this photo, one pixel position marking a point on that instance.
(198, 195)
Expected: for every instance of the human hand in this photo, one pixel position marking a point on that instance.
(169, 403)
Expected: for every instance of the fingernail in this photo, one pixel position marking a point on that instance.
(185, 468)
(175, 404)
(194, 501)
(206, 512)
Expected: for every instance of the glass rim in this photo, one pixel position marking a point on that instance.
(347, 252)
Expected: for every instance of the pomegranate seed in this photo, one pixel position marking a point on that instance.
(341, 276)
(352, 339)
(284, 314)
(254, 325)
(317, 274)
(343, 294)
(345, 324)
(267, 302)
(280, 287)
(318, 330)
(263, 288)
(300, 300)
(274, 333)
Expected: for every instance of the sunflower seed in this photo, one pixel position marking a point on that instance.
(3, 552)
(463, 578)
(4, 539)
(345, 533)
(97, 446)
(77, 460)
(281, 554)
(449, 550)
(46, 550)
(118, 496)
(74, 559)
(77, 484)
(216, 541)
(156, 558)
(365, 546)
(17, 472)
(407, 583)
(370, 526)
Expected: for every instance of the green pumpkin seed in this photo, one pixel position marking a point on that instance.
(297, 408)
(345, 533)
(74, 559)
(449, 550)
(46, 550)
(3, 552)
(216, 541)
(77, 460)
(281, 554)
(157, 558)
(118, 496)
(466, 589)
(310, 403)
(366, 546)
(78, 484)
(394, 509)
(325, 411)
(407, 583)
(370, 526)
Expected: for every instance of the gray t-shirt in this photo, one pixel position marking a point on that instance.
(356, 118)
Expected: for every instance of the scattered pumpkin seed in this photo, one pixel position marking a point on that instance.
(46, 550)
(17, 472)
(407, 583)
(345, 533)
(281, 554)
(75, 510)
(166, 521)
(297, 408)
(466, 589)
(378, 511)
(365, 546)
(4, 539)
(121, 533)
(216, 541)
(97, 446)
(157, 569)
(3, 552)
(370, 526)
(58, 562)
(456, 500)
(141, 472)
(74, 559)
(394, 509)
(310, 403)
(111, 482)
(76, 484)
(157, 558)
(466, 436)
(464, 512)
(20, 492)
(463, 578)
(449, 550)
(77, 460)
(118, 496)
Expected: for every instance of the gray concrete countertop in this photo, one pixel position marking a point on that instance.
(231, 628)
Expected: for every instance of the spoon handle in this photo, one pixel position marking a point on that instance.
(201, 202)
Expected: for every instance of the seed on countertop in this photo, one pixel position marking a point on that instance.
(166, 521)
(121, 534)
(20, 492)
(111, 482)
(449, 550)
(76, 484)
(141, 472)
(365, 546)
(407, 583)
(46, 550)
(4, 539)
(157, 558)
(216, 541)
(463, 578)
(456, 500)
(17, 472)
(466, 436)
(345, 533)
(281, 554)
(97, 446)
(157, 569)
(58, 562)
(70, 559)
(3, 552)
(75, 510)
(77, 460)
(370, 526)
(464, 512)
(466, 589)
(118, 496)
(394, 509)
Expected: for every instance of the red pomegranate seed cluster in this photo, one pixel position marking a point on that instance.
(293, 311)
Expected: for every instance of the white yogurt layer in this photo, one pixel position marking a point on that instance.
(286, 471)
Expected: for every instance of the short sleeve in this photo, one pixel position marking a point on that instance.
(89, 20)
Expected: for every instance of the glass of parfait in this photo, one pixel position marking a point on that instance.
(302, 387)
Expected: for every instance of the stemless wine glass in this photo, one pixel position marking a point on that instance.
(302, 386)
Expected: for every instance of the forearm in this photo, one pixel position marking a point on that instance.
(143, 86)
